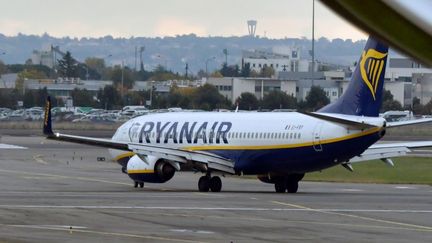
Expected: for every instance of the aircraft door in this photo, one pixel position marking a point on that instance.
(317, 137)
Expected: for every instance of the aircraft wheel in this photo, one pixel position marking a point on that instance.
(204, 184)
(141, 184)
(292, 186)
(215, 184)
(280, 187)
(136, 184)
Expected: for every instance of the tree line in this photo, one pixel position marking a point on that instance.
(206, 97)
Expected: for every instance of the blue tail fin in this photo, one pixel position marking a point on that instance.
(363, 96)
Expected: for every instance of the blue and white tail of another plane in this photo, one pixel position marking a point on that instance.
(363, 96)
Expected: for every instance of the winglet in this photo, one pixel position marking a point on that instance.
(47, 128)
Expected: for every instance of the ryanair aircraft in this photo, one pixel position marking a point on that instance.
(277, 147)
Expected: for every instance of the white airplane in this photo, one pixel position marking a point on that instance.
(277, 147)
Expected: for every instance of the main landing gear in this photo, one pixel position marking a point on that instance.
(288, 183)
(138, 183)
(208, 182)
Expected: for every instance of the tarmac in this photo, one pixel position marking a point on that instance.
(60, 192)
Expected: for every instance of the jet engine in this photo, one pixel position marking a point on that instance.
(151, 169)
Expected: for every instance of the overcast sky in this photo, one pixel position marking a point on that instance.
(95, 18)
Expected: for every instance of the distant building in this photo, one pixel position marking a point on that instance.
(164, 86)
(62, 88)
(422, 87)
(45, 58)
(407, 79)
(403, 69)
(49, 56)
(232, 88)
(8, 80)
(286, 59)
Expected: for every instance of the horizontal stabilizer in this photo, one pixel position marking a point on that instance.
(384, 151)
(409, 122)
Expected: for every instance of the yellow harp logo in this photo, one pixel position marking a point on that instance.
(371, 66)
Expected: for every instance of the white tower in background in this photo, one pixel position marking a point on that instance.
(252, 27)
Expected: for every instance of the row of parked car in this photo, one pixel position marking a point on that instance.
(79, 114)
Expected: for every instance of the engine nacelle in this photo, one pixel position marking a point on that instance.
(150, 169)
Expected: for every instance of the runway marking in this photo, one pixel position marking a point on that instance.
(73, 227)
(338, 212)
(40, 177)
(105, 233)
(297, 208)
(208, 194)
(405, 187)
(38, 158)
(351, 190)
(192, 231)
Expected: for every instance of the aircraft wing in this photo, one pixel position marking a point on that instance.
(209, 160)
(8, 146)
(385, 151)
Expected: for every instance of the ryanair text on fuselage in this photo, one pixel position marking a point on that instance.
(178, 132)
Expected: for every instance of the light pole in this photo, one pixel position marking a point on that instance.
(151, 93)
(142, 48)
(206, 64)
(4, 53)
(87, 73)
(122, 79)
(165, 61)
(313, 40)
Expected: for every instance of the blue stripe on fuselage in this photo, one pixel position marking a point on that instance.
(297, 160)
